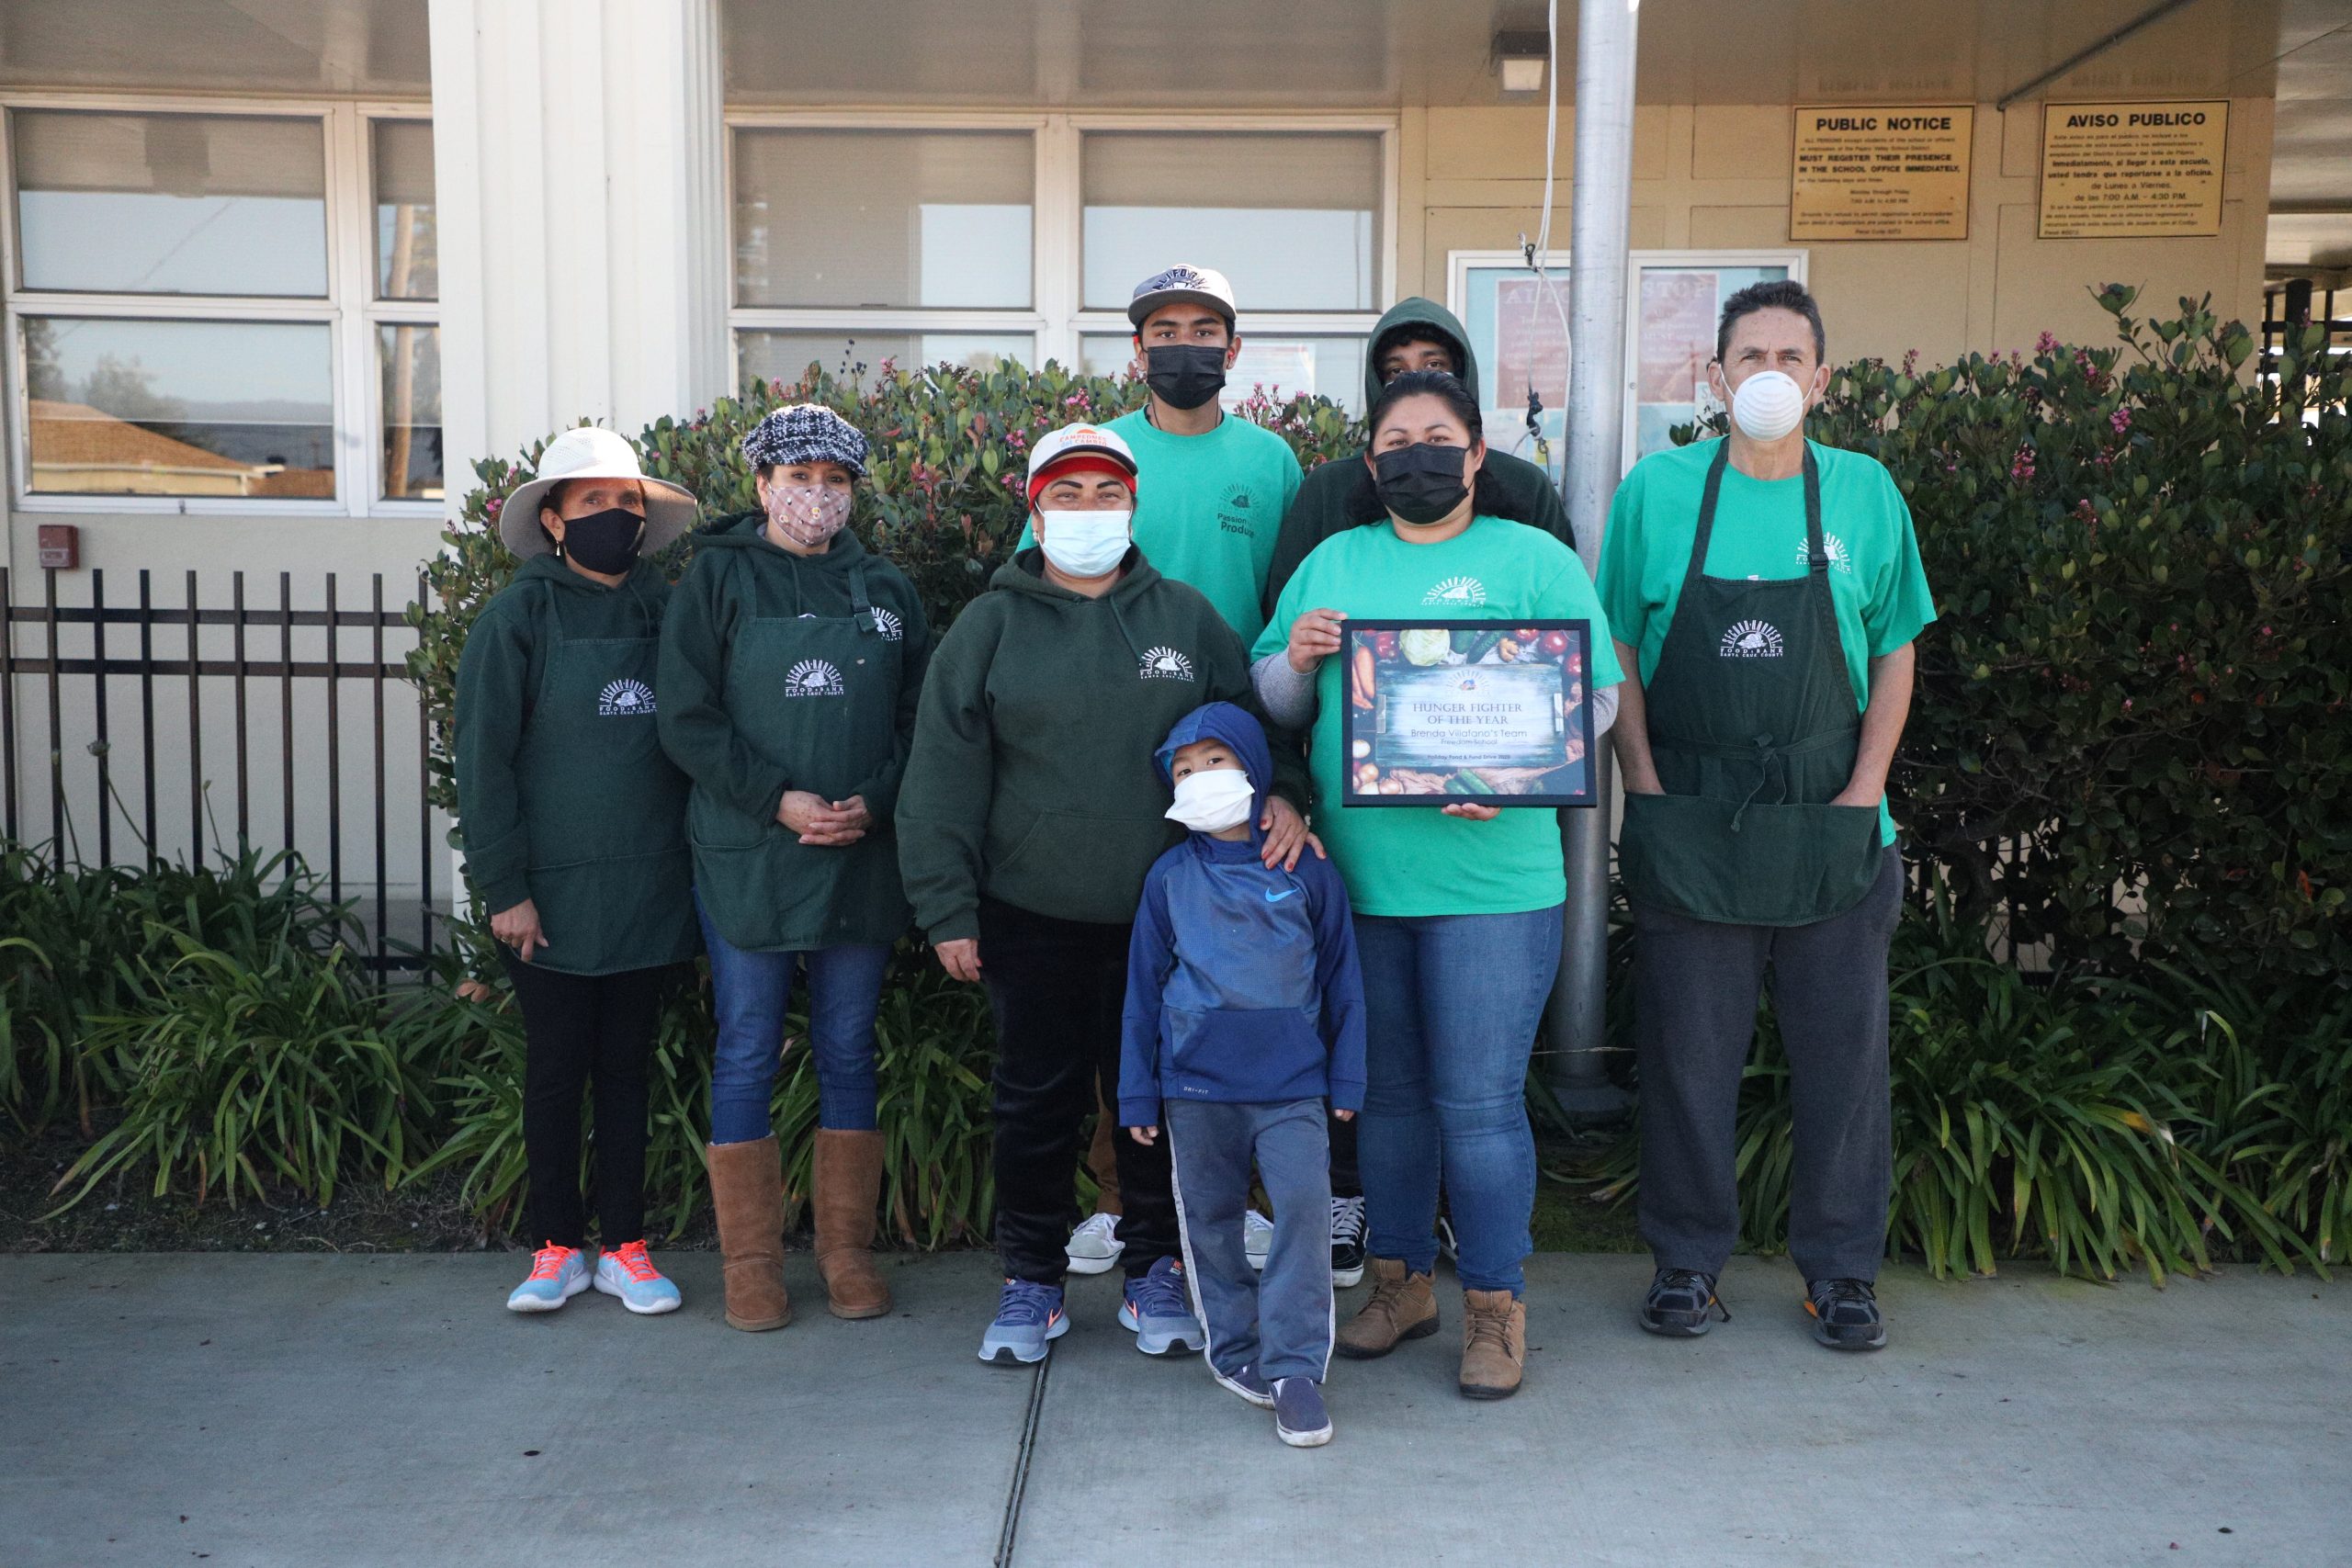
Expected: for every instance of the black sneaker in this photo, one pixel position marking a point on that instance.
(1347, 1241)
(1845, 1314)
(1682, 1303)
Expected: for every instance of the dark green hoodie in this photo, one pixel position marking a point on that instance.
(564, 797)
(1032, 779)
(772, 680)
(1339, 494)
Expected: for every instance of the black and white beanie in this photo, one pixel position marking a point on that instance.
(805, 432)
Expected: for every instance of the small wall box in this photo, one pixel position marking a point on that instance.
(61, 547)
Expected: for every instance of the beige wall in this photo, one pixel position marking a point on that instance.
(1716, 176)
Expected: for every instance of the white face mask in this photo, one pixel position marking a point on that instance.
(1767, 406)
(809, 514)
(1084, 544)
(1212, 800)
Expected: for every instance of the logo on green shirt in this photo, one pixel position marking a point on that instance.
(1457, 591)
(1164, 664)
(625, 696)
(1834, 547)
(1236, 500)
(1751, 640)
(812, 678)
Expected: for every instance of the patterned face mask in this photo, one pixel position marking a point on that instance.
(811, 514)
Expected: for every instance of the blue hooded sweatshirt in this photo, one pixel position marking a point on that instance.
(1242, 983)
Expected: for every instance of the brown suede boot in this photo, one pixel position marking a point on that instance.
(1402, 1307)
(747, 1189)
(848, 1185)
(1493, 1344)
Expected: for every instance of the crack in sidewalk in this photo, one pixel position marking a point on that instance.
(1008, 1534)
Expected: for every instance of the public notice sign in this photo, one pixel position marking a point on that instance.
(2132, 171)
(1874, 172)
(1484, 712)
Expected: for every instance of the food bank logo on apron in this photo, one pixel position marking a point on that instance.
(812, 678)
(625, 696)
(1751, 640)
(1832, 546)
(1164, 664)
(886, 622)
(1457, 591)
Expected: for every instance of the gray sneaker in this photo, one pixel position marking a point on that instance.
(1300, 1420)
(1158, 1307)
(1029, 1318)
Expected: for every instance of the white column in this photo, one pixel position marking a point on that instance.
(578, 146)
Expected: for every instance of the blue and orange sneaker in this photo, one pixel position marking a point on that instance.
(558, 1274)
(626, 1271)
(1158, 1307)
(1029, 1318)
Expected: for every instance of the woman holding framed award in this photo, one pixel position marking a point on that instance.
(1457, 670)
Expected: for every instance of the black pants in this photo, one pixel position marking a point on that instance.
(1695, 987)
(1056, 987)
(577, 1029)
(1346, 1181)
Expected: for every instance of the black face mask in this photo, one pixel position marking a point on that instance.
(1185, 375)
(603, 541)
(1420, 483)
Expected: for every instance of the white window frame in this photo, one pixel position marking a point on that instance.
(1056, 318)
(350, 311)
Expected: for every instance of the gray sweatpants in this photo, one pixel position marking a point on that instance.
(1695, 988)
(1279, 1322)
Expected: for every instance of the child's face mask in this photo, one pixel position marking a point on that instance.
(1212, 800)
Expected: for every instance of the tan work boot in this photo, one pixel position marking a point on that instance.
(1402, 1307)
(1493, 1344)
(848, 1185)
(747, 1189)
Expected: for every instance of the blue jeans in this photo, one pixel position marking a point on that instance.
(1450, 1007)
(751, 992)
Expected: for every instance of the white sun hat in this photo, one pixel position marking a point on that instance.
(591, 452)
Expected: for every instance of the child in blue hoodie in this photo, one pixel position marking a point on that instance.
(1244, 1014)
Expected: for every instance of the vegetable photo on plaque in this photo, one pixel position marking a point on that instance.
(1479, 711)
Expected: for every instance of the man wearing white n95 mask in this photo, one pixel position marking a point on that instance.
(1764, 592)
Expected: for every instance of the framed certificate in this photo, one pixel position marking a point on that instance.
(1486, 711)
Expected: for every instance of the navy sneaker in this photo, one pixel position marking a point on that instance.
(1160, 1309)
(1682, 1303)
(1247, 1384)
(1300, 1420)
(1845, 1314)
(1029, 1318)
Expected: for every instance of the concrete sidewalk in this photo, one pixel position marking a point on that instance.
(355, 1410)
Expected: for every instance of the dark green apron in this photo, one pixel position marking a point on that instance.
(1754, 727)
(816, 696)
(605, 810)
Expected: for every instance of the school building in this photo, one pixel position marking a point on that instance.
(278, 271)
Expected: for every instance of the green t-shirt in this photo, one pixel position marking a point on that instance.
(1208, 507)
(1876, 583)
(1397, 860)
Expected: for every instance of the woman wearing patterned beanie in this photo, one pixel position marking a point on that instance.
(790, 664)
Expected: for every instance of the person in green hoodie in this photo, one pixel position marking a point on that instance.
(1032, 811)
(1416, 335)
(789, 672)
(573, 825)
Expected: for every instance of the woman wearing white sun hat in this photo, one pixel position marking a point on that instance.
(573, 822)
(789, 672)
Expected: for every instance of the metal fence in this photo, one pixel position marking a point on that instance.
(121, 720)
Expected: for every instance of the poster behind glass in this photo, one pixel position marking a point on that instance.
(1677, 306)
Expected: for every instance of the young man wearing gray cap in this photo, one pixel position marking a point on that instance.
(1219, 486)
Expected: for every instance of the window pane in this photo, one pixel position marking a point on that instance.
(785, 356)
(171, 204)
(1293, 220)
(406, 265)
(179, 407)
(1284, 366)
(883, 218)
(410, 358)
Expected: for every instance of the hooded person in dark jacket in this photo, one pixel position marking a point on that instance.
(1244, 1015)
(1031, 812)
(1416, 335)
(790, 669)
(573, 823)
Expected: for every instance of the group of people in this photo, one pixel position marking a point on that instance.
(1111, 794)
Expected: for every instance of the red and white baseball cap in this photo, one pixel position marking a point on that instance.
(1079, 448)
(1182, 284)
